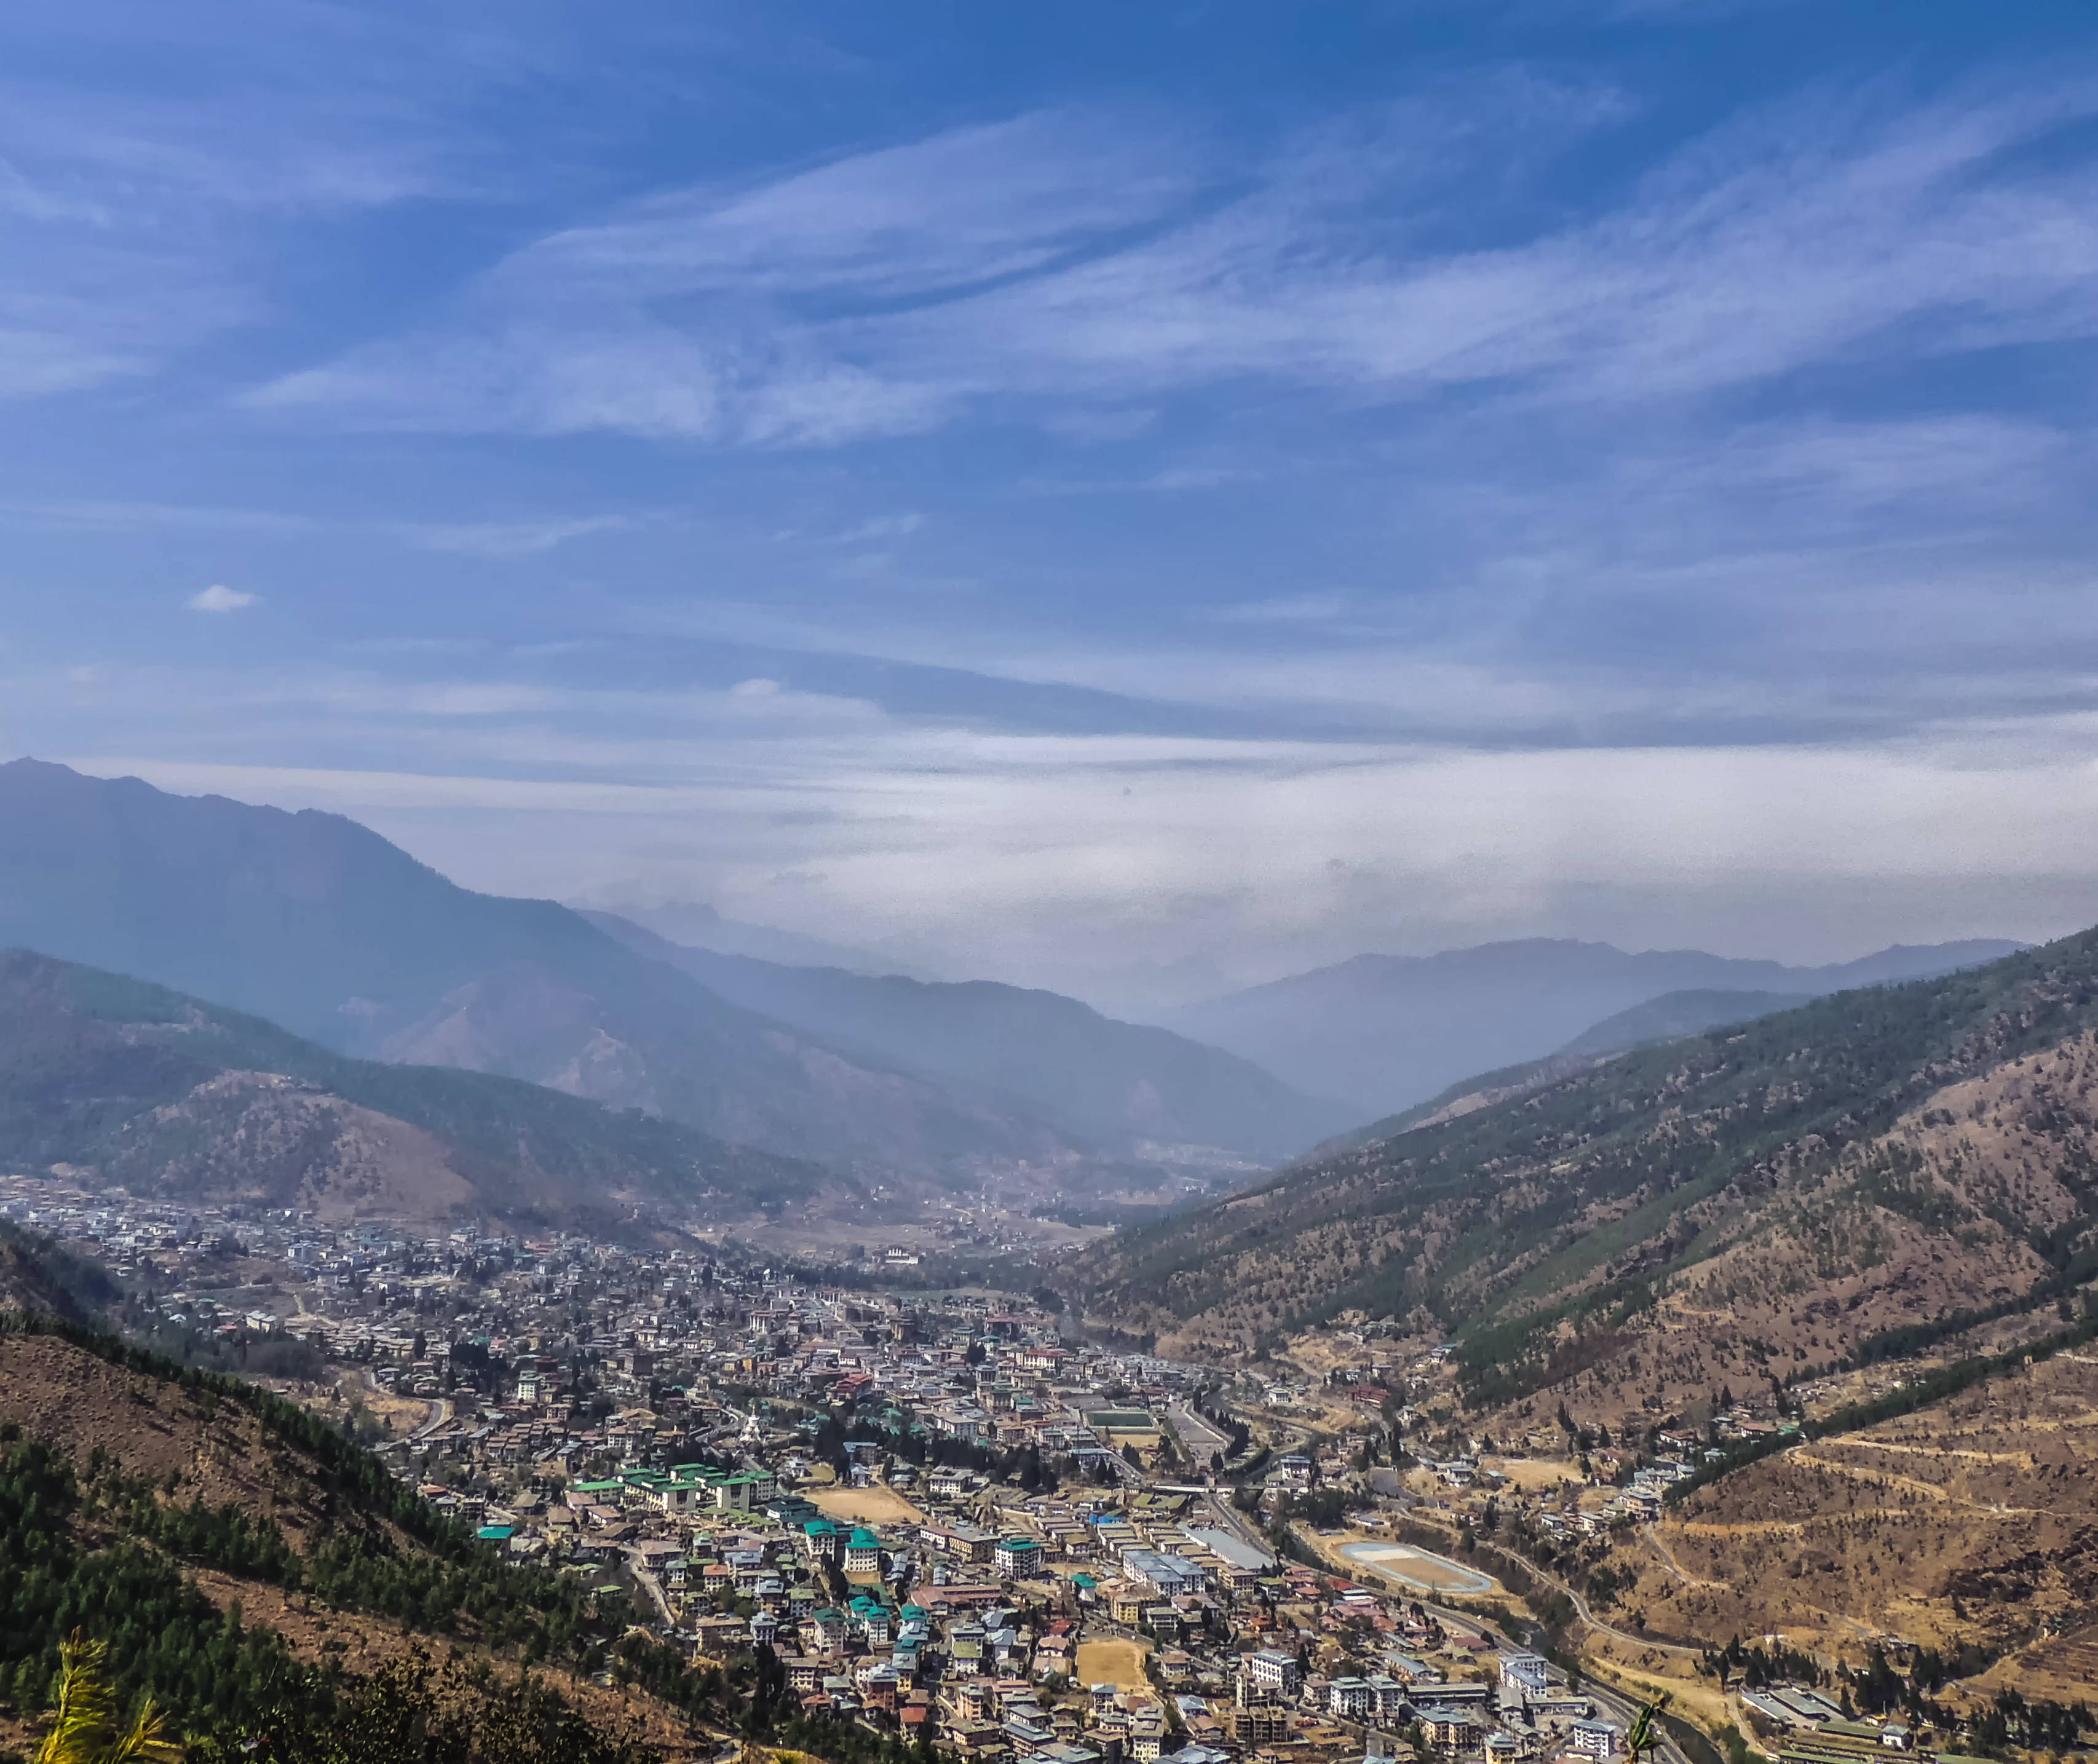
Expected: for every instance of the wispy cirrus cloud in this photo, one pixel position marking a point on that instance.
(517, 538)
(137, 215)
(899, 291)
(688, 313)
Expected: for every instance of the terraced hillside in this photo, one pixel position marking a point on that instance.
(1971, 1521)
(1728, 1209)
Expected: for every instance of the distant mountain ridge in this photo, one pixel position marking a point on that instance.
(318, 924)
(1386, 1032)
(1676, 1014)
(696, 926)
(1062, 1060)
(174, 1098)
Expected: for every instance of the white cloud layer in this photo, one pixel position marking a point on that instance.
(1101, 864)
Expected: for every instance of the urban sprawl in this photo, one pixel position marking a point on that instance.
(944, 1520)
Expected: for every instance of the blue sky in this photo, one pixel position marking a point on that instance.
(1131, 498)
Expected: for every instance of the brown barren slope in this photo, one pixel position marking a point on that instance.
(71, 1399)
(1976, 1519)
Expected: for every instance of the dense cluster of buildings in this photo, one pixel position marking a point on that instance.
(935, 1512)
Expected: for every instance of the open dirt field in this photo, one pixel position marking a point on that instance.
(866, 1506)
(1533, 1473)
(1112, 1661)
(1698, 1700)
(402, 1414)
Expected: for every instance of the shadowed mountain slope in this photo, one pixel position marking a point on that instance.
(1676, 1014)
(315, 922)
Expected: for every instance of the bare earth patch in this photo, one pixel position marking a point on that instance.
(1112, 1659)
(866, 1506)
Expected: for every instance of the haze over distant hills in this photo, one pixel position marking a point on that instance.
(1085, 1072)
(1385, 1032)
(696, 926)
(319, 925)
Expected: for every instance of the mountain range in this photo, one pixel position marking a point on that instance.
(694, 925)
(1385, 1032)
(347, 946)
(319, 925)
(1091, 1076)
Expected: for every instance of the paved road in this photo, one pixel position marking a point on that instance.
(1621, 1708)
(1125, 1470)
(441, 1407)
(1199, 1436)
(1588, 1615)
(650, 1584)
(1237, 1522)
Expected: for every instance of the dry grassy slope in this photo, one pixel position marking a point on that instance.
(1935, 1216)
(1784, 1191)
(1990, 1500)
(73, 1400)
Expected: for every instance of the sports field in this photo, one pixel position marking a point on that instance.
(1420, 1570)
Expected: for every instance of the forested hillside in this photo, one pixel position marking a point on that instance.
(1740, 1204)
